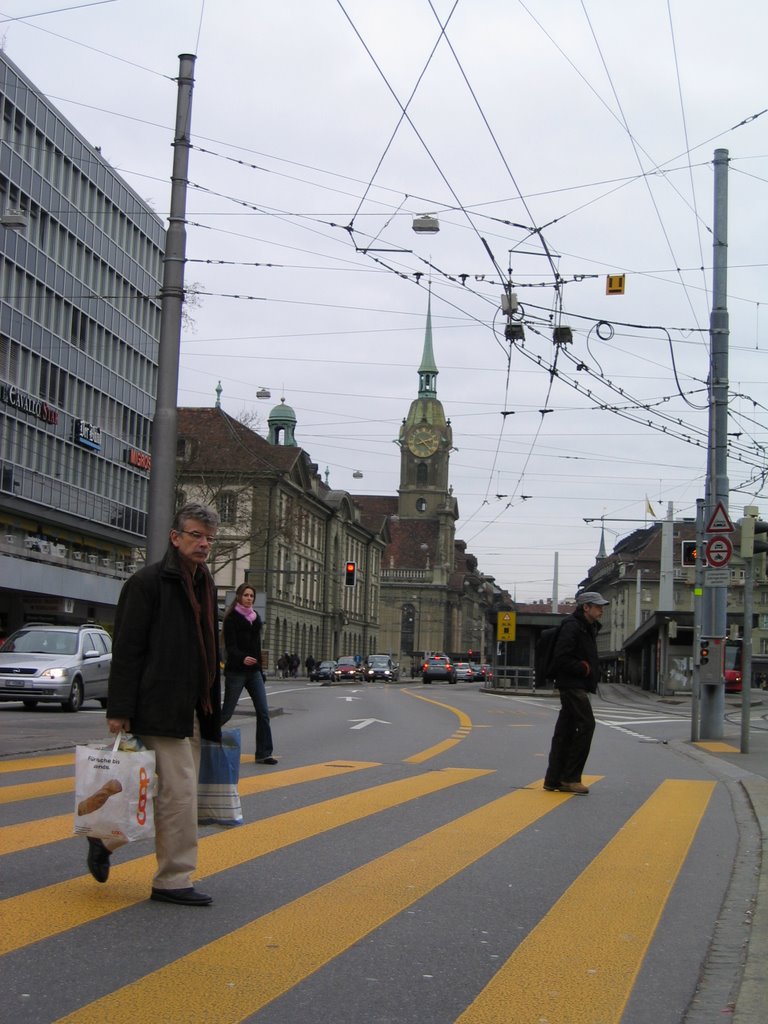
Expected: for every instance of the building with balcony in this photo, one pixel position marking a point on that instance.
(80, 265)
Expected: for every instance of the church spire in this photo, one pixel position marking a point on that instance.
(428, 370)
(601, 552)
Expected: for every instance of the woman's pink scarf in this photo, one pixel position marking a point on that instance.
(247, 613)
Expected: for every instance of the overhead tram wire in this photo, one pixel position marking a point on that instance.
(24, 20)
(55, 10)
(656, 167)
(697, 219)
(200, 26)
(499, 150)
(456, 197)
(407, 117)
(559, 297)
(636, 150)
(736, 451)
(393, 136)
(402, 273)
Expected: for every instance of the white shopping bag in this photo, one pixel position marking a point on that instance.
(113, 792)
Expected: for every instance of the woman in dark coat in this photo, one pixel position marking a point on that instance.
(242, 641)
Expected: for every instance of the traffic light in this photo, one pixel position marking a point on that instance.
(750, 529)
(350, 572)
(688, 552)
(711, 660)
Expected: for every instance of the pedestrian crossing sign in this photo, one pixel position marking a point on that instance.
(506, 625)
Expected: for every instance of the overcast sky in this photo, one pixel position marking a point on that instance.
(564, 139)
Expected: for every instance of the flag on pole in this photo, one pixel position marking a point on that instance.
(649, 508)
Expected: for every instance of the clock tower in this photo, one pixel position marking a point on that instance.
(425, 444)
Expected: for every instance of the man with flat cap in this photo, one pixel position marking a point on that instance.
(577, 672)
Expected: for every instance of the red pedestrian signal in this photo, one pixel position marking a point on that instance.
(688, 553)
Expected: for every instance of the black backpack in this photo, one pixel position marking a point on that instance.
(544, 655)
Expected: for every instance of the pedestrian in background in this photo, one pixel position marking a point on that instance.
(242, 669)
(576, 669)
(164, 687)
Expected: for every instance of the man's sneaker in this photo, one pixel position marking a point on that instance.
(572, 787)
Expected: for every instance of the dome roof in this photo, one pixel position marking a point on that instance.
(282, 413)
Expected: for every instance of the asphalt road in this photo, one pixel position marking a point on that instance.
(400, 864)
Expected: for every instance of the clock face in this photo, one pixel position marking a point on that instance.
(424, 441)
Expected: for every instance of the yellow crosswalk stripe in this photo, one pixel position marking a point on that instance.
(56, 908)
(236, 976)
(617, 901)
(28, 764)
(27, 835)
(35, 790)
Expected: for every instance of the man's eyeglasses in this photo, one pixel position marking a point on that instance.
(197, 535)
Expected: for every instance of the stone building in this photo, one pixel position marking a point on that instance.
(284, 531)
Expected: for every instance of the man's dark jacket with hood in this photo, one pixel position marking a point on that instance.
(575, 663)
(158, 668)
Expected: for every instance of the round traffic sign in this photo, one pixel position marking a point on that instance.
(719, 551)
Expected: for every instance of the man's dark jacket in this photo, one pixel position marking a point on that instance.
(157, 663)
(575, 663)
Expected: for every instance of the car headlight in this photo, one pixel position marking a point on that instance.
(54, 673)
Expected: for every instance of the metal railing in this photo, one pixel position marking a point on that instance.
(514, 677)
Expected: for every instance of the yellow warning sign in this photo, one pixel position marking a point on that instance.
(614, 284)
(506, 625)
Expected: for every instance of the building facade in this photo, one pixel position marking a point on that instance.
(284, 531)
(647, 634)
(80, 267)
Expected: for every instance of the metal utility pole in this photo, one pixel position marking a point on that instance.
(714, 612)
(698, 590)
(555, 596)
(162, 479)
(746, 655)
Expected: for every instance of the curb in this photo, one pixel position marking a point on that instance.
(752, 999)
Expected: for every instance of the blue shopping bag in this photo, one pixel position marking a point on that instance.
(218, 802)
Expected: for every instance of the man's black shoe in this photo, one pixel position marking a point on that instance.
(98, 859)
(551, 787)
(266, 760)
(186, 897)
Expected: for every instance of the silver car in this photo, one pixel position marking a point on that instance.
(66, 665)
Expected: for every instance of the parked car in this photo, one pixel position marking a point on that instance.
(323, 672)
(43, 663)
(381, 666)
(347, 668)
(439, 666)
(463, 672)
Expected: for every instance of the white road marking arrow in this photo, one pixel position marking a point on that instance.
(367, 721)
